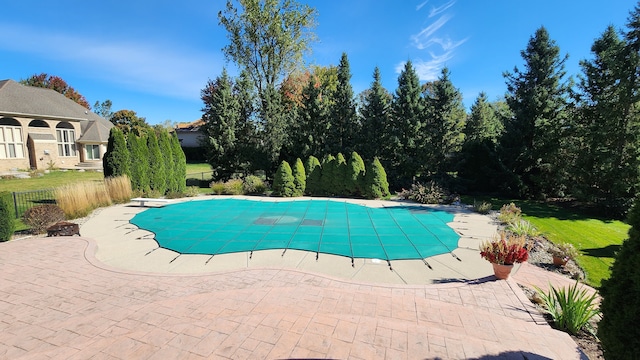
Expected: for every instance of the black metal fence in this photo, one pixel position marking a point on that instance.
(22, 201)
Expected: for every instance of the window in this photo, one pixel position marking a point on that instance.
(11, 145)
(93, 152)
(66, 142)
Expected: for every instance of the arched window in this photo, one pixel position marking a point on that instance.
(66, 137)
(38, 123)
(11, 144)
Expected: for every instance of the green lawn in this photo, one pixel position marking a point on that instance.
(597, 239)
(196, 168)
(49, 181)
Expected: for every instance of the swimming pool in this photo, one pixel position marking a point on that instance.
(222, 226)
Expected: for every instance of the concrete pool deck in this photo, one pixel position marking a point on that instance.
(110, 295)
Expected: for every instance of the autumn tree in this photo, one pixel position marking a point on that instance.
(57, 84)
(128, 121)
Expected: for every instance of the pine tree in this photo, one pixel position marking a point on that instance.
(375, 117)
(116, 160)
(221, 114)
(283, 181)
(483, 122)
(299, 178)
(355, 175)
(532, 139)
(275, 120)
(405, 136)
(313, 171)
(445, 125)
(343, 119)
(375, 181)
(157, 179)
(179, 163)
(618, 330)
(312, 119)
(167, 154)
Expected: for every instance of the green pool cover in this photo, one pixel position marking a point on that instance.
(224, 226)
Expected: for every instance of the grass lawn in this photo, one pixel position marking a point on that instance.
(48, 181)
(193, 168)
(597, 239)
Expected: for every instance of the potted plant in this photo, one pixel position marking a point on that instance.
(504, 251)
(562, 253)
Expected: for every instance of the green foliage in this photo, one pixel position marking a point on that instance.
(484, 122)
(338, 182)
(535, 135)
(7, 216)
(328, 174)
(522, 228)
(139, 153)
(217, 187)
(429, 193)
(128, 121)
(375, 117)
(192, 191)
(509, 214)
(618, 330)
(314, 176)
(482, 207)
(179, 163)
(253, 184)
(343, 119)
(116, 160)
(565, 251)
(164, 142)
(299, 178)
(375, 181)
(355, 175)
(233, 187)
(570, 308)
(157, 178)
(40, 217)
(283, 182)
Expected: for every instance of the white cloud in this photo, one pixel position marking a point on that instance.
(158, 68)
(428, 70)
(440, 9)
(422, 40)
(420, 6)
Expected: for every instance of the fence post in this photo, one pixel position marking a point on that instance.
(15, 204)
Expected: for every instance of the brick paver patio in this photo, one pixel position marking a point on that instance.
(58, 301)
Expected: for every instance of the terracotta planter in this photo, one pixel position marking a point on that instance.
(559, 261)
(502, 271)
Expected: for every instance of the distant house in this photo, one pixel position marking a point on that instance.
(40, 128)
(190, 134)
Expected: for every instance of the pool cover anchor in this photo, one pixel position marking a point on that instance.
(426, 263)
(174, 259)
(456, 257)
(390, 267)
(206, 262)
(152, 250)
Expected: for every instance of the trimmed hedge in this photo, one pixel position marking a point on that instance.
(355, 175)
(314, 176)
(7, 216)
(283, 184)
(376, 185)
(299, 178)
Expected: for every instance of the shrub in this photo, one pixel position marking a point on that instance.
(313, 171)
(139, 152)
(7, 216)
(328, 174)
(618, 330)
(339, 179)
(299, 178)
(157, 178)
(565, 251)
(570, 308)
(233, 187)
(482, 207)
(522, 228)
(192, 191)
(119, 189)
(253, 184)
(217, 187)
(179, 163)
(164, 143)
(40, 217)
(355, 175)
(509, 214)
(431, 193)
(376, 185)
(116, 159)
(283, 181)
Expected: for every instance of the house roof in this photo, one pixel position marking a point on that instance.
(192, 126)
(41, 137)
(40, 103)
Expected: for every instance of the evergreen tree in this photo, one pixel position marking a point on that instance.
(274, 119)
(157, 179)
(116, 160)
(443, 130)
(164, 142)
(343, 125)
(221, 114)
(247, 133)
(179, 164)
(7, 216)
(339, 176)
(607, 165)
(375, 116)
(618, 330)
(313, 171)
(312, 121)
(355, 175)
(532, 139)
(283, 181)
(483, 122)
(328, 174)
(406, 138)
(299, 178)
(139, 153)
(375, 181)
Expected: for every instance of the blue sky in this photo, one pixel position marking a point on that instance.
(153, 57)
